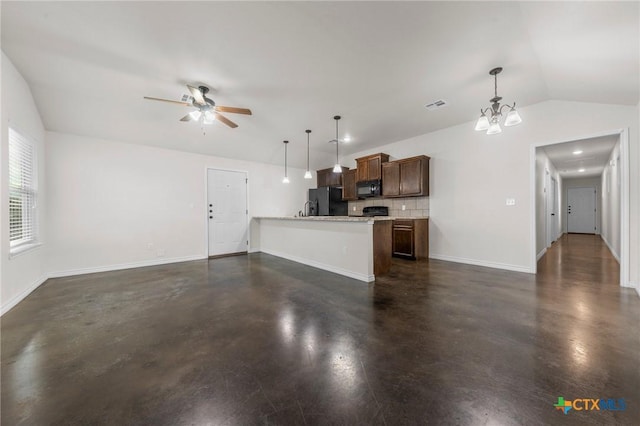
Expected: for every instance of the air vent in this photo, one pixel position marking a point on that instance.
(435, 105)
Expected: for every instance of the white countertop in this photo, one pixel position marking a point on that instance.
(338, 218)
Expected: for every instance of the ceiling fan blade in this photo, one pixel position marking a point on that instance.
(167, 100)
(233, 110)
(197, 95)
(225, 120)
(186, 118)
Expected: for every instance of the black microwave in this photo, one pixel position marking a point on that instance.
(371, 188)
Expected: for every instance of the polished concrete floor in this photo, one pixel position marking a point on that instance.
(261, 340)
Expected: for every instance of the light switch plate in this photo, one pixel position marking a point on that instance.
(511, 201)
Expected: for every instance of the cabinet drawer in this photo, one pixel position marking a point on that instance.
(403, 223)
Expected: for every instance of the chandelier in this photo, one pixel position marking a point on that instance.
(491, 123)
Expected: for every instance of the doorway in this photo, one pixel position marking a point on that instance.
(581, 210)
(227, 213)
(552, 210)
(581, 163)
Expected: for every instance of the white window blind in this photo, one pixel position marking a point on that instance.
(22, 191)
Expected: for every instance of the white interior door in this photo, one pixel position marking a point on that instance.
(581, 210)
(227, 212)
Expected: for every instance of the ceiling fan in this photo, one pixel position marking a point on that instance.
(206, 109)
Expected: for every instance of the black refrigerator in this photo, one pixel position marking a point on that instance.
(327, 201)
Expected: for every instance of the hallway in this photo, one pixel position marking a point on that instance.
(580, 259)
(261, 340)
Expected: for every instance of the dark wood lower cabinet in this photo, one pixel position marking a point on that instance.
(410, 238)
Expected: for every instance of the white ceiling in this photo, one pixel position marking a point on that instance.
(592, 159)
(297, 64)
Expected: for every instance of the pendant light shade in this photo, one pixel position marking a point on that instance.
(307, 174)
(285, 179)
(337, 168)
(491, 123)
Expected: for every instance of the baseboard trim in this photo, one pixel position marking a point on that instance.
(495, 265)
(120, 266)
(613, 252)
(635, 286)
(542, 253)
(20, 297)
(319, 265)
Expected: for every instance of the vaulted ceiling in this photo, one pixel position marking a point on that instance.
(297, 64)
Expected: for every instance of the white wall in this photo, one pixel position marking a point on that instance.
(109, 200)
(591, 182)
(544, 170)
(23, 273)
(610, 187)
(472, 174)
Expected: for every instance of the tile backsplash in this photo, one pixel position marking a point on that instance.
(413, 206)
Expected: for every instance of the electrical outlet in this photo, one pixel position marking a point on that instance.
(511, 201)
(404, 207)
(160, 253)
(149, 246)
(354, 208)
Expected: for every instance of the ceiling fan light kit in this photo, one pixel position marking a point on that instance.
(207, 112)
(491, 123)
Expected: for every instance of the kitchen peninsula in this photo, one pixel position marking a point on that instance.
(357, 247)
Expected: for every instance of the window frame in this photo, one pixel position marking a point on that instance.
(28, 193)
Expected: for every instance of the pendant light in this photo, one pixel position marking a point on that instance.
(492, 123)
(285, 179)
(307, 174)
(337, 168)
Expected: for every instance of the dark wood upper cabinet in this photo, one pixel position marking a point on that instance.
(326, 177)
(391, 179)
(370, 167)
(349, 185)
(408, 177)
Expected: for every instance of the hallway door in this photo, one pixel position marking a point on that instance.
(227, 212)
(581, 210)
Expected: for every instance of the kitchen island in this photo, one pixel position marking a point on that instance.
(357, 247)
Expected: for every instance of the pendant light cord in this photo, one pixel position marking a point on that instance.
(337, 117)
(308, 132)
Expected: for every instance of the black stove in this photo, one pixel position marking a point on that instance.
(375, 211)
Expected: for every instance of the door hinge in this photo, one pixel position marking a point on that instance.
(246, 180)
(246, 211)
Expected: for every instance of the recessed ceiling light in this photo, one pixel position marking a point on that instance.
(581, 170)
(577, 152)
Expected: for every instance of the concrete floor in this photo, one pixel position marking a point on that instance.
(261, 340)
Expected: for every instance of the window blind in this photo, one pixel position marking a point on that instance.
(22, 191)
